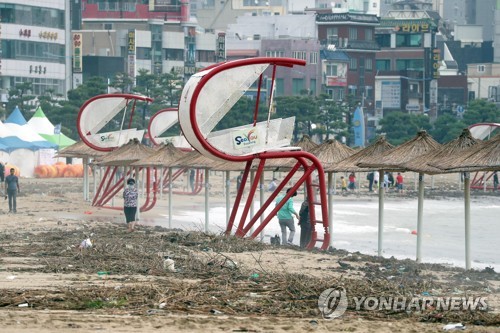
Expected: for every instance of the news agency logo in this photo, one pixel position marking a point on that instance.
(333, 303)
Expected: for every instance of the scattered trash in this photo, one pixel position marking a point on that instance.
(11, 277)
(457, 326)
(230, 263)
(85, 244)
(426, 293)
(414, 232)
(102, 274)
(215, 312)
(313, 322)
(23, 305)
(162, 305)
(169, 265)
(254, 276)
(88, 212)
(129, 246)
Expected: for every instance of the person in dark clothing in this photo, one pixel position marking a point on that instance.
(495, 181)
(370, 178)
(12, 189)
(191, 179)
(2, 172)
(305, 224)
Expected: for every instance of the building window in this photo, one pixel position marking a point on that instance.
(313, 58)
(275, 54)
(481, 68)
(332, 35)
(409, 40)
(312, 87)
(383, 40)
(331, 70)
(369, 64)
(353, 64)
(31, 15)
(351, 90)
(383, 64)
(174, 54)
(353, 33)
(368, 34)
(143, 53)
(280, 87)
(410, 64)
(297, 86)
(301, 55)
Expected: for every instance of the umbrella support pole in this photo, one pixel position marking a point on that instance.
(420, 216)
(467, 220)
(380, 215)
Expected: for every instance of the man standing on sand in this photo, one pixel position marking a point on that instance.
(11, 190)
(399, 182)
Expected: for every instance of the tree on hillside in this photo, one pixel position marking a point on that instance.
(400, 127)
(331, 118)
(19, 95)
(481, 111)
(446, 128)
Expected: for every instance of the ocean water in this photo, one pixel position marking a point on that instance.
(355, 228)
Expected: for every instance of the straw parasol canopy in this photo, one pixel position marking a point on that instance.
(165, 155)
(126, 154)
(379, 148)
(482, 157)
(196, 160)
(394, 159)
(305, 144)
(453, 148)
(79, 149)
(332, 152)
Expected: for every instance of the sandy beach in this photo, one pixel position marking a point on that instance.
(219, 284)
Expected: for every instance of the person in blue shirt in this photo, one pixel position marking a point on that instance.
(285, 217)
(11, 190)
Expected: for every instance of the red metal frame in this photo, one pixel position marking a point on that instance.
(152, 120)
(302, 161)
(84, 135)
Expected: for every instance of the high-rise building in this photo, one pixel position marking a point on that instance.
(35, 46)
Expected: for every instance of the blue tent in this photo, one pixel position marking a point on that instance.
(16, 117)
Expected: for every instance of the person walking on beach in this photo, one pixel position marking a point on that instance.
(343, 184)
(376, 176)
(370, 178)
(285, 217)
(12, 189)
(2, 172)
(130, 196)
(495, 180)
(399, 182)
(238, 181)
(191, 179)
(272, 185)
(352, 181)
(305, 224)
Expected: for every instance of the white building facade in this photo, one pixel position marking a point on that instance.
(35, 46)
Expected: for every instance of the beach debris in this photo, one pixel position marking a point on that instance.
(23, 305)
(169, 265)
(129, 246)
(11, 277)
(215, 312)
(162, 305)
(229, 263)
(102, 274)
(86, 243)
(456, 326)
(426, 293)
(414, 232)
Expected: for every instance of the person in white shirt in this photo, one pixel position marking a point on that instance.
(272, 185)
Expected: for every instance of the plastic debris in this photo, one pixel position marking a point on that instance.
(215, 312)
(169, 265)
(85, 244)
(456, 326)
(11, 277)
(162, 305)
(23, 305)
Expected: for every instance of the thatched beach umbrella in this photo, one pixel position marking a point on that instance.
(421, 164)
(126, 154)
(485, 157)
(394, 160)
(81, 150)
(305, 144)
(331, 152)
(350, 164)
(164, 157)
(196, 160)
(482, 157)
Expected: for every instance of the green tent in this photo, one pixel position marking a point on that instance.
(42, 125)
